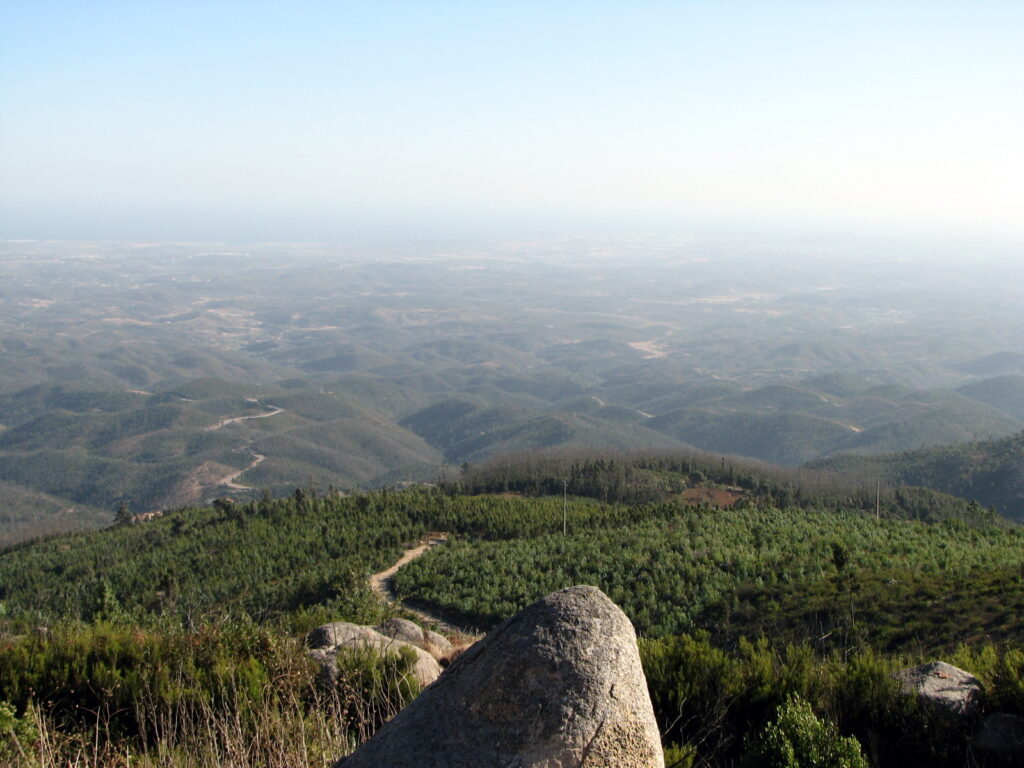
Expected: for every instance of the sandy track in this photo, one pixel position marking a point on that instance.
(382, 585)
(228, 481)
(224, 422)
(381, 582)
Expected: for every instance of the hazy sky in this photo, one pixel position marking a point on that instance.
(329, 120)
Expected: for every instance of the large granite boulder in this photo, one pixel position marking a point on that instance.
(949, 689)
(325, 642)
(559, 685)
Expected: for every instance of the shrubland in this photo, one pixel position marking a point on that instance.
(776, 620)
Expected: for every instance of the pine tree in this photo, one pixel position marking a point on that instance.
(123, 516)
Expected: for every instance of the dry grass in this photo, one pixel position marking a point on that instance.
(274, 737)
(460, 642)
(282, 732)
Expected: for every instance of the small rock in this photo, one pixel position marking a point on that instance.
(332, 635)
(325, 641)
(558, 685)
(403, 629)
(948, 688)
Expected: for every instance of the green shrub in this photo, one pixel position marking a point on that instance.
(17, 734)
(797, 738)
(680, 756)
(371, 687)
(77, 673)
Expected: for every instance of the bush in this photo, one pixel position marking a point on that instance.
(797, 738)
(371, 687)
(680, 757)
(17, 734)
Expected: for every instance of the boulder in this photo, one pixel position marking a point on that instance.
(403, 629)
(334, 634)
(325, 642)
(557, 685)
(944, 686)
(1001, 734)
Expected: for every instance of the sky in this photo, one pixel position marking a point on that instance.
(338, 120)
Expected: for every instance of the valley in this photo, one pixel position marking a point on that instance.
(155, 375)
(533, 385)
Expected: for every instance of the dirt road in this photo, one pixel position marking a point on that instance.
(381, 584)
(228, 481)
(274, 410)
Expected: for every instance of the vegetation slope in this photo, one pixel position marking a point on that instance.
(990, 472)
(791, 585)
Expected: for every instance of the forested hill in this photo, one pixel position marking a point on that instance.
(277, 559)
(210, 599)
(281, 557)
(170, 375)
(697, 476)
(990, 472)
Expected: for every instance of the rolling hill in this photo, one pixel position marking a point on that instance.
(355, 367)
(990, 472)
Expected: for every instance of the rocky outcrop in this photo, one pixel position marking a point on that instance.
(947, 688)
(325, 642)
(559, 685)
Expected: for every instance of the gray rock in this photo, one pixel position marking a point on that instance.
(403, 629)
(440, 642)
(326, 641)
(1001, 734)
(332, 635)
(946, 687)
(557, 686)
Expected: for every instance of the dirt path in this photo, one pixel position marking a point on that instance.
(381, 582)
(228, 481)
(274, 410)
(383, 586)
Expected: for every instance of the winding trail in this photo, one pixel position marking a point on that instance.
(274, 410)
(228, 481)
(382, 585)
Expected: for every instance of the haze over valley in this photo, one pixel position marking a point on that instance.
(610, 385)
(163, 375)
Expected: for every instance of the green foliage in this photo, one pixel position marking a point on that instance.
(640, 478)
(372, 687)
(17, 734)
(143, 687)
(679, 756)
(752, 569)
(741, 571)
(262, 559)
(797, 738)
(74, 672)
(197, 612)
(991, 472)
(707, 697)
